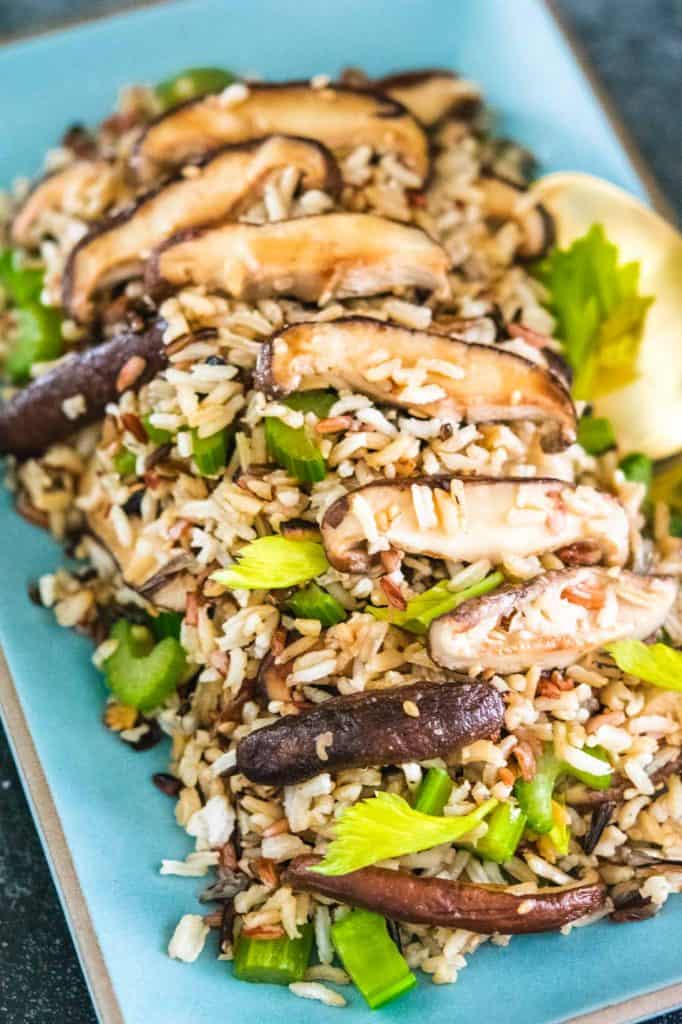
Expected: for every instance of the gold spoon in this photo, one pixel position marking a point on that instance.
(647, 414)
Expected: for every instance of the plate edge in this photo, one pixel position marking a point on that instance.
(61, 864)
(33, 778)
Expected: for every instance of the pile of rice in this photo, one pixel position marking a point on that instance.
(246, 831)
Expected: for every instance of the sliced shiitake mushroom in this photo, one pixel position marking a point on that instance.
(415, 899)
(432, 94)
(334, 255)
(118, 248)
(427, 373)
(50, 194)
(155, 573)
(551, 621)
(371, 728)
(468, 518)
(338, 116)
(504, 200)
(35, 417)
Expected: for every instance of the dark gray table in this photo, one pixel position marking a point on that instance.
(637, 49)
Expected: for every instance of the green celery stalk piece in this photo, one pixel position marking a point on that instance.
(125, 462)
(437, 600)
(190, 84)
(535, 796)
(589, 778)
(211, 453)
(596, 434)
(505, 828)
(370, 956)
(434, 792)
(167, 624)
(560, 833)
(293, 448)
(385, 826)
(140, 673)
(155, 434)
(272, 563)
(312, 602)
(273, 961)
(23, 284)
(637, 467)
(38, 339)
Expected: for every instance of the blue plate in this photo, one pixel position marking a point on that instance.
(98, 794)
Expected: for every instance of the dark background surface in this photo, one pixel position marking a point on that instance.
(636, 48)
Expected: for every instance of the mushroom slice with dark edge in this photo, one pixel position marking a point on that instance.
(372, 728)
(334, 255)
(50, 194)
(432, 94)
(427, 373)
(338, 116)
(35, 417)
(467, 518)
(505, 200)
(551, 621)
(438, 901)
(117, 249)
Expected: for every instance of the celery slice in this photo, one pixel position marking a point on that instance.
(273, 961)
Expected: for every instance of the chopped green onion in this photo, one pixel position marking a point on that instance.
(657, 664)
(167, 624)
(139, 672)
(596, 435)
(156, 434)
(675, 525)
(190, 84)
(505, 828)
(273, 961)
(591, 779)
(434, 792)
(22, 284)
(315, 603)
(638, 468)
(38, 339)
(535, 796)
(125, 462)
(429, 605)
(293, 448)
(385, 826)
(210, 453)
(272, 563)
(370, 956)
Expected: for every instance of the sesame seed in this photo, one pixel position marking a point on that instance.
(410, 708)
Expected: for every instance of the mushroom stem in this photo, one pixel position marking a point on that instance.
(437, 901)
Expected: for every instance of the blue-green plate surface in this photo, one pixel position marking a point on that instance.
(117, 826)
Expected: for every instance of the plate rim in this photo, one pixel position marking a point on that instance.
(33, 779)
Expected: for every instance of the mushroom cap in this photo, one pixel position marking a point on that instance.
(470, 518)
(118, 247)
(316, 258)
(338, 116)
(451, 379)
(551, 620)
